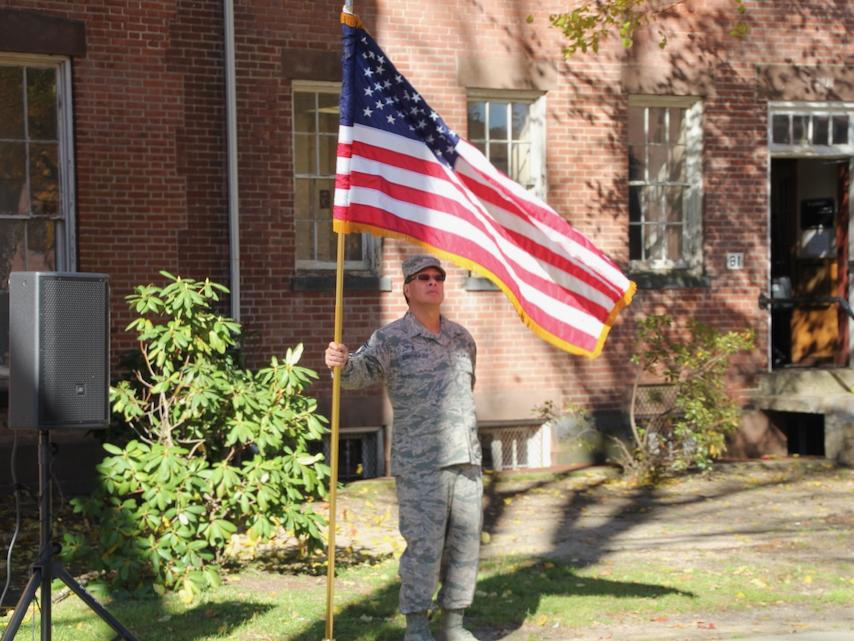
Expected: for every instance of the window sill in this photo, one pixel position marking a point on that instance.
(323, 282)
(479, 284)
(675, 279)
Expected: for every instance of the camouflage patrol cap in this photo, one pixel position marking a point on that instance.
(419, 262)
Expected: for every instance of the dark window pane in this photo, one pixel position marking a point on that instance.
(636, 162)
(304, 154)
(328, 154)
(41, 245)
(820, 129)
(520, 115)
(799, 130)
(353, 248)
(44, 180)
(305, 239)
(13, 178)
(673, 204)
(476, 122)
(780, 130)
(520, 169)
(678, 171)
(635, 244)
(41, 103)
(658, 171)
(657, 116)
(636, 204)
(497, 115)
(654, 242)
(12, 248)
(840, 130)
(327, 104)
(674, 242)
(11, 102)
(498, 156)
(677, 126)
(304, 112)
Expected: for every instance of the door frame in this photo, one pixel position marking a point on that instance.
(805, 148)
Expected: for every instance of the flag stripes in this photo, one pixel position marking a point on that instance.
(402, 173)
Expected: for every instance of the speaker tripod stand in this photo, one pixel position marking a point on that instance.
(46, 568)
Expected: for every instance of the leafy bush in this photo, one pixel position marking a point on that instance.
(211, 449)
(691, 431)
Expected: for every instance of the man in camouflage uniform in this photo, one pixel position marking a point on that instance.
(427, 365)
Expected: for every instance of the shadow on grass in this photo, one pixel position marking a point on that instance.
(148, 622)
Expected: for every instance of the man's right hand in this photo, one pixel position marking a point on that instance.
(336, 355)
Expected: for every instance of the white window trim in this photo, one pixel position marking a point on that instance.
(780, 108)
(371, 244)
(66, 241)
(66, 252)
(692, 232)
(537, 100)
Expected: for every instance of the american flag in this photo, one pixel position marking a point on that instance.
(402, 172)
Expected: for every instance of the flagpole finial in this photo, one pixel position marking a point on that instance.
(348, 7)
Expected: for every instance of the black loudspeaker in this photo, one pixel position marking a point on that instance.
(59, 351)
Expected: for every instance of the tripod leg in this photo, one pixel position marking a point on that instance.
(23, 605)
(61, 573)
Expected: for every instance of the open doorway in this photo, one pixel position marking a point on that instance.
(809, 262)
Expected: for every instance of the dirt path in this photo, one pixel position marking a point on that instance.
(798, 509)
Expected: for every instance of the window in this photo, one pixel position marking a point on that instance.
(315, 148)
(811, 128)
(665, 183)
(36, 173)
(509, 128)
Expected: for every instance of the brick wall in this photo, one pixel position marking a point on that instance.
(151, 184)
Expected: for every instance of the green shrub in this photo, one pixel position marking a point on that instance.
(691, 430)
(210, 449)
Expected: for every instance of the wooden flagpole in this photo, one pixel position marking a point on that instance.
(338, 332)
(333, 439)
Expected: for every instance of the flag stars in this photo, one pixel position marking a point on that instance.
(398, 78)
(369, 91)
(381, 60)
(421, 124)
(386, 84)
(367, 112)
(379, 104)
(390, 119)
(433, 116)
(368, 72)
(379, 70)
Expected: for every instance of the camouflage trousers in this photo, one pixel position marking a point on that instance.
(441, 517)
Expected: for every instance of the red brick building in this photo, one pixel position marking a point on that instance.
(710, 170)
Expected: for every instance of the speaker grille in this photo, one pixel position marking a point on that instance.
(72, 347)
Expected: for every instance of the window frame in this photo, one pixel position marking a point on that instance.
(65, 220)
(370, 244)
(810, 109)
(537, 115)
(691, 261)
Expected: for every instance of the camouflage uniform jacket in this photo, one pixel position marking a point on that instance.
(430, 379)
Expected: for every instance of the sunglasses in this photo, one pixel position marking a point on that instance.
(439, 278)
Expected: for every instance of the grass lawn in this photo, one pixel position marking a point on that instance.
(259, 606)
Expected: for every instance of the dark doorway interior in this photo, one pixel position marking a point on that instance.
(804, 432)
(809, 262)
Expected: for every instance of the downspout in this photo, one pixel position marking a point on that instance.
(231, 161)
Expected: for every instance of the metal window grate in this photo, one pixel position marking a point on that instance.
(359, 454)
(513, 448)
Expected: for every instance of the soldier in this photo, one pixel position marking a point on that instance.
(427, 363)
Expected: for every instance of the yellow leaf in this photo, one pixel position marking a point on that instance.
(541, 620)
(485, 538)
(508, 501)
(807, 580)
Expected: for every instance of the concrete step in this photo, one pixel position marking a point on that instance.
(807, 382)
